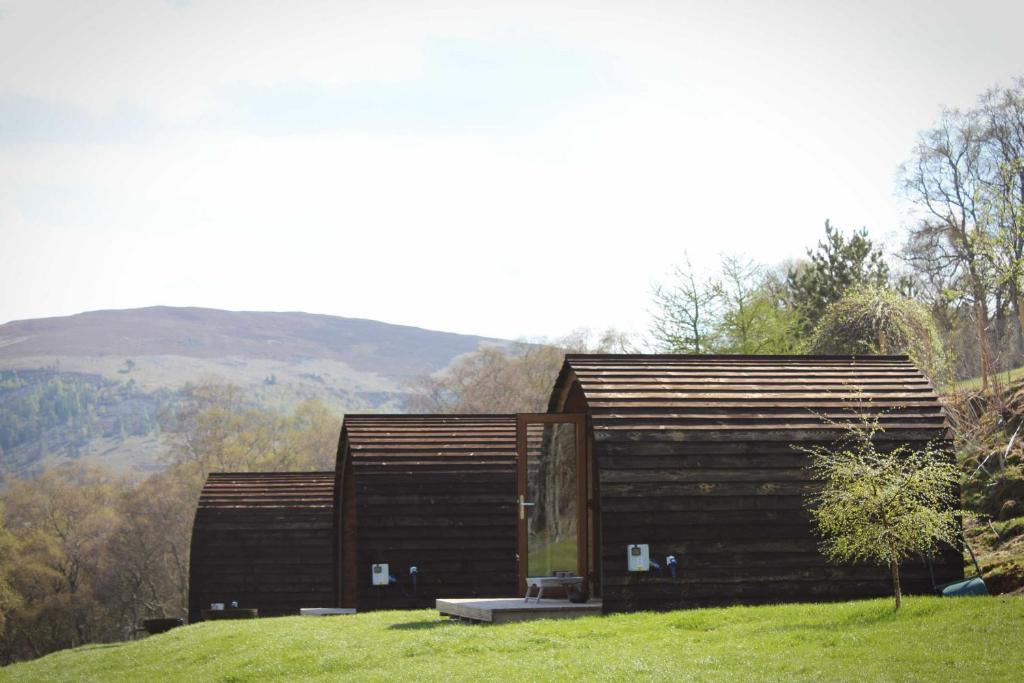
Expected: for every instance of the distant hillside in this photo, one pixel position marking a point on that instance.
(89, 385)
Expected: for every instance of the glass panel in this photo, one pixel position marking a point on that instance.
(551, 487)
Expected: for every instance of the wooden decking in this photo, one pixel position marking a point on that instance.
(501, 610)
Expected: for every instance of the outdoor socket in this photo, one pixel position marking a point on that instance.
(380, 574)
(638, 557)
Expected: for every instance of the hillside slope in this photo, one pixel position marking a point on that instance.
(392, 352)
(966, 639)
(89, 385)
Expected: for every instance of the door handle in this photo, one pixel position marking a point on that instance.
(522, 506)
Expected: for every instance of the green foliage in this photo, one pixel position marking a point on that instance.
(1000, 379)
(61, 523)
(741, 309)
(882, 507)
(931, 639)
(873, 320)
(752, 316)
(87, 555)
(9, 598)
(66, 410)
(836, 265)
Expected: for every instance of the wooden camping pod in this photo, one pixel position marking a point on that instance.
(435, 492)
(264, 540)
(699, 457)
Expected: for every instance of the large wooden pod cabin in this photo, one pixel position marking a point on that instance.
(434, 492)
(698, 457)
(264, 540)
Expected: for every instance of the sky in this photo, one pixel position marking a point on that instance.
(510, 169)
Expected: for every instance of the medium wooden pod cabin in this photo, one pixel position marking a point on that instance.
(435, 492)
(264, 540)
(698, 458)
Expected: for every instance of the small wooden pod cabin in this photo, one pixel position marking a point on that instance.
(698, 457)
(264, 540)
(435, 492)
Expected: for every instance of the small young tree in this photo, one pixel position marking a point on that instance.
(882, 507)
(686, 312)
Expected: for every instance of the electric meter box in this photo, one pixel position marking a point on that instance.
(380, 574)
(638, 557)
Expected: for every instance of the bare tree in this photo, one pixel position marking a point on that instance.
(946, 181)
(683, 322)
(1003, 112)
(511, 379)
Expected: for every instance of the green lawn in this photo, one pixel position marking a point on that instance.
(1005, 378)
(930, 639)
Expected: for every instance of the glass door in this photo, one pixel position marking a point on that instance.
(551, 496)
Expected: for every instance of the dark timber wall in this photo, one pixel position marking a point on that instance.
(434, 492)
(695, 457)
(265, 540)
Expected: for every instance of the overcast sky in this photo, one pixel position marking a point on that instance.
(509, 169)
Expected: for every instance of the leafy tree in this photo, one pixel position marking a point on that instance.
(752, 316)
(63, 521)
(740, 309)
(873, 320)
(836, 265)
(882, 507)
(88, 555)
(9, 598)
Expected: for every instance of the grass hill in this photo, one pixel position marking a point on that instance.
(90, 385)
(965, 639)
(1005, 378)
(990, 426)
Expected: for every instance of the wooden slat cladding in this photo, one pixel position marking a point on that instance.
(698, 456)
(431, 491)
(265, 540)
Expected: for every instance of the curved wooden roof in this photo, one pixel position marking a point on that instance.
(430, 439)
(265, 540)
(268, 489)
(751, 397)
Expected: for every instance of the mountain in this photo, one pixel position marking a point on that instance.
(90, 385)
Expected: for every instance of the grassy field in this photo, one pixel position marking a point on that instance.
(1005, 378)
(966, 639)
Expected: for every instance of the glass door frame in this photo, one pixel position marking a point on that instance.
(582, 489)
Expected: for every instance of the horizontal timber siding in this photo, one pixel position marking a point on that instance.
(699, 456)
(434, 492)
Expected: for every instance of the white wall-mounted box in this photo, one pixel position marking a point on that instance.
(380, 574)
(638, 557)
